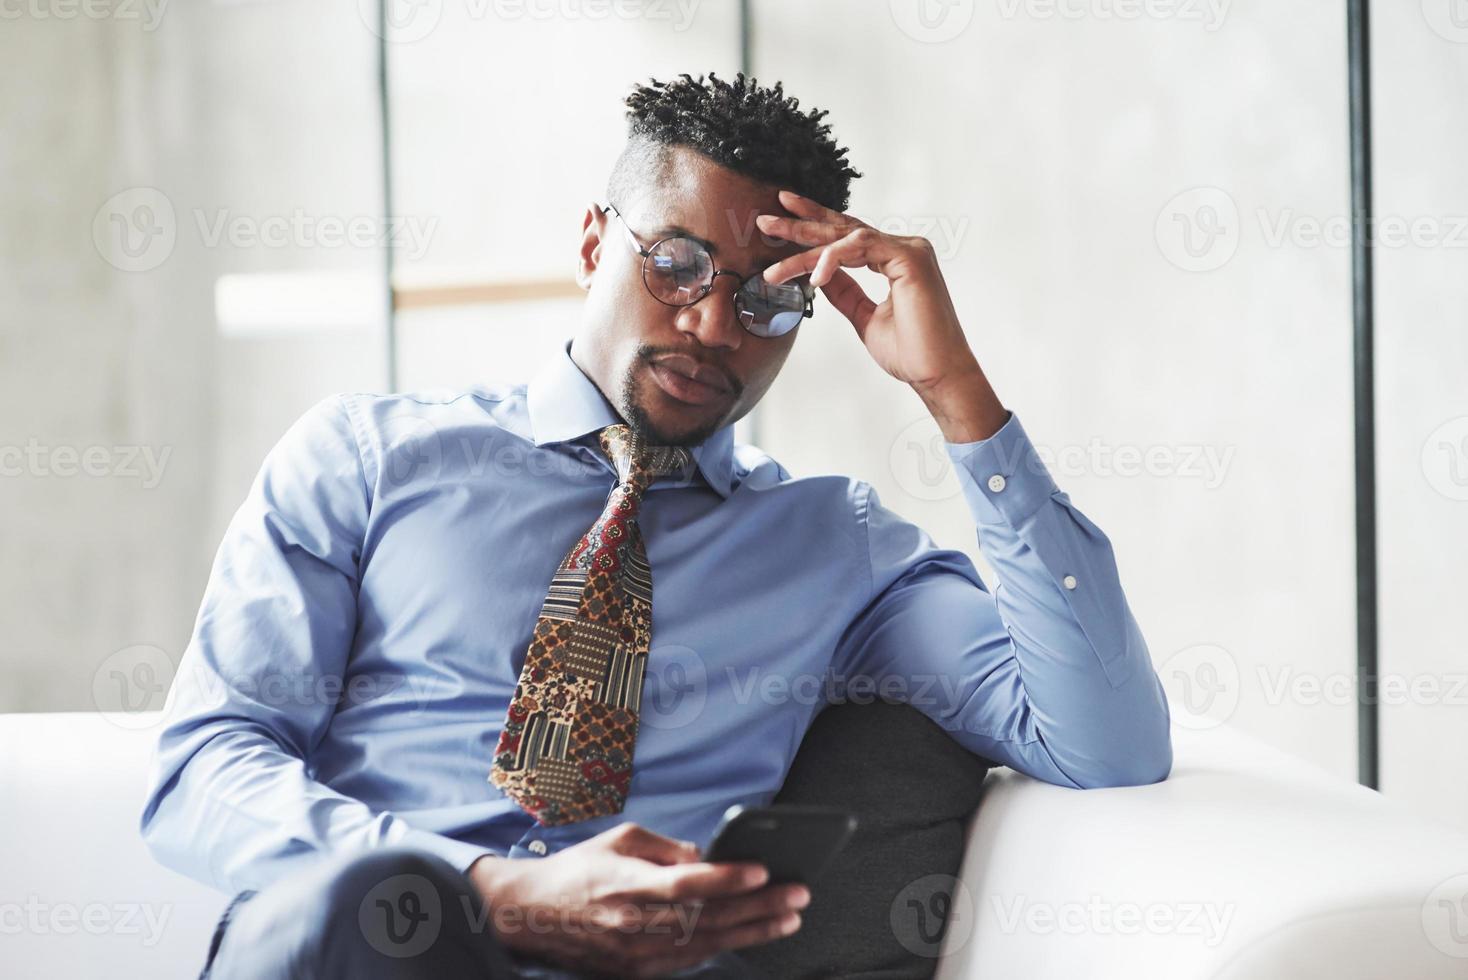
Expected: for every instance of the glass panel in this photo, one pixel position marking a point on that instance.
(191, 249)
(1104, 194)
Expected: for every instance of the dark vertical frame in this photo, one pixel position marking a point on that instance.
(390, 338)
(746, 65)
(1364, 329)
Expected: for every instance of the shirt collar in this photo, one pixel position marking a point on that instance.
(564, 404)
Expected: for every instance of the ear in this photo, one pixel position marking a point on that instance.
(593, 230)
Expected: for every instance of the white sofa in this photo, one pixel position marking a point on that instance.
(1246, 863)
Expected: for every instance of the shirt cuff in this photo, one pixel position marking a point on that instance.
(1003, 478)
(460, 854)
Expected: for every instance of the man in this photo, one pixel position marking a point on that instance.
(431, 720)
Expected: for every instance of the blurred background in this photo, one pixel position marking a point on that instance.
(1142, 208)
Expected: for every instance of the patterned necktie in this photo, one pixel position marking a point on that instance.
(565, 752)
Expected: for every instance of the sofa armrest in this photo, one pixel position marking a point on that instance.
(80, 896)
(1246, 863)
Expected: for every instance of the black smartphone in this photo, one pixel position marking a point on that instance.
(796, 843)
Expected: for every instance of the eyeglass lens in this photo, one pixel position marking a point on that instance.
(679, 271)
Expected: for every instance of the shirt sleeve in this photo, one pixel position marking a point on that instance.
(231, 801)
(1049, 674)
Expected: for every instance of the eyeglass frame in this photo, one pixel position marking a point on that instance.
(646, 253)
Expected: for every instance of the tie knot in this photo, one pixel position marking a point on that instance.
(638, 462)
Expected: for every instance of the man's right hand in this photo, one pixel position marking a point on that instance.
(634, 903)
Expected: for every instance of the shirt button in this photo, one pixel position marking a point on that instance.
(537, 847)
(1069, 582)
(996, 483)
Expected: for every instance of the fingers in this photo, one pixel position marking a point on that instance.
(633, 840)
(798, 230)
(860, 247)
(714, 915)
(846, 294)
(767, 903)
(699, 881)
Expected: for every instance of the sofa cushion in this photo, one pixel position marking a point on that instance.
(879, 910)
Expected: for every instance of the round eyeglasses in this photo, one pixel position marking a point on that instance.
(679, 271)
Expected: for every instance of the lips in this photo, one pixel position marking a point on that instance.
(685, 380)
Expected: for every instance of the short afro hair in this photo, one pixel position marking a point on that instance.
(755, 131)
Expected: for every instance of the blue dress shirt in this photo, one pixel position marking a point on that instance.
(371, 604)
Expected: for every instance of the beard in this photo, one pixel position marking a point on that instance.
(632, 397)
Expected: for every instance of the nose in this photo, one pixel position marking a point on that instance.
(712, 320)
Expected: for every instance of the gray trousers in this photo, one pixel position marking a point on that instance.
(388, 914)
